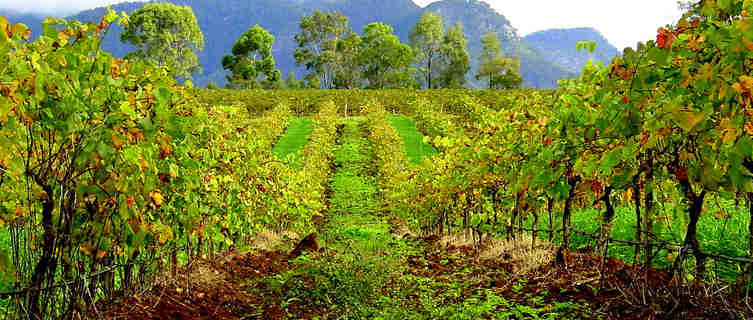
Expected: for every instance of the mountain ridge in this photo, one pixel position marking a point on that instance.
(538, 68)
(558, 45)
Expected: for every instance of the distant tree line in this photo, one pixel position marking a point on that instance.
(335, 57)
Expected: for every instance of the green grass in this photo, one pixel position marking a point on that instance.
(363, 272)
(295, 137)
(715, 234)
(415, 147)
(6, 268)
(360, 252)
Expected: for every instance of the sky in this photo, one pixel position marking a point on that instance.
(622, 22)
(56, 7)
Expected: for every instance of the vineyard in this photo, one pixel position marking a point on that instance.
(626, 193)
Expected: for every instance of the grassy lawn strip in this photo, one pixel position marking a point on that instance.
(415, 147)
(295, 137)
(723, 230)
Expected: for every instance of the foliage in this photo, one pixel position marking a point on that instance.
(456, 61)
(224, 22)
(345, 58)
(666, 124)
(90, 145)
(501, 72)
(425, 39)
(291, 83)
(252, 57)
(317, 44)
(167, 34)
(384, 59)
(396, 100)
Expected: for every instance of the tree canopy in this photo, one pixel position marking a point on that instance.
(317, 44)
(456, 61)
(167, 34)
(384, 58)
(500, 72)
(426, 39)
(251, 58)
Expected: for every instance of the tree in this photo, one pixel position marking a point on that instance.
(252, 57)
(384, 59)
(291, 83)
(317, 43)
(501, 72)
(426, 39)
(167, 34)
(455, 60)
(344, 60)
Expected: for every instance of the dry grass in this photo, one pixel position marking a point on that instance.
(400, 230)
(270, 240)
(515, 252)
(459, 239)
(518, 253)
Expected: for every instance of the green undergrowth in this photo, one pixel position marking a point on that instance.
(415, 147)
(363, 272)
(6, 276)
(722, 229)
(294, 139)
(359, 253)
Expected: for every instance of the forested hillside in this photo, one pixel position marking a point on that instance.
(558, 46)
(223, 22)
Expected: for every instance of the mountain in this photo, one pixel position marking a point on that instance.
(222, 22)
(32, 20)
(558, 46)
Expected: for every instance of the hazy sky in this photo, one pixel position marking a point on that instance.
(623, 22)
(56, 7)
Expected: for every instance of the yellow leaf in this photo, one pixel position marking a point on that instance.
(157, 197)
(737, 87)
(3, 28)
(730, 134)
(749, 128)
(21, 30)
(746, 82)
(63, 37)
(690, 120)
(85, 250)
(116, 141)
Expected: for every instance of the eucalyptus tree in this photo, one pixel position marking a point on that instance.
(167, 34)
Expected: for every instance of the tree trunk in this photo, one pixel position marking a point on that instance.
(535, 228)
(428, 74)
(691, 237)
(566, 213)
(648, 206)
(511, 226)
(638, 222)
(606, 226)
(47, 263)
(549, 208)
